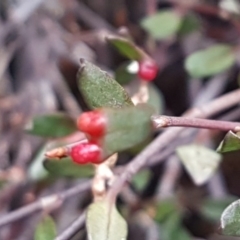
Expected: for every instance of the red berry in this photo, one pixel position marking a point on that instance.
(86, 152)
(93, 123)
(147, 70)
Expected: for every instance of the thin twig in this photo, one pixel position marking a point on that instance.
(169, 178)
(167, 121)
(164, 139)
(73, 228)
(43, 203)
(91, 18)
(160, 156)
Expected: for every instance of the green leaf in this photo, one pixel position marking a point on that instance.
(166, 208)
(213, 208)
(127, 48)
(200, 162)
(141, 179)
(127, 127)
(163, 24)
(210, 61)
(189, 24)
(168, 216)
(105, 222)
(122, 75)
(36, 171)
(231, 142)
(99, 89)
(67, 168)
(51, 125)
(230, 219)
(128, 117)
(46, 229)
(155, 99)
(172, 228)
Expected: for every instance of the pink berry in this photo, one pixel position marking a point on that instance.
(86, 152)
(93, 123)
(147, 70)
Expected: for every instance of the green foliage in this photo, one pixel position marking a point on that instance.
(36, 171)
(122, 75)
(127, 128)
(67, 168)
(200, 162)
(46, 229)
(163, 24)
(141, 179)
(231, 142)
(168, 216)
(190, 23)
(128, 117)
(230, 220)
(164, 209)
(213, 208)
(99, 89)
(172, 228)
(127, 48)
(105, 222)
(155, 99)
(51, 125)
(210, 61)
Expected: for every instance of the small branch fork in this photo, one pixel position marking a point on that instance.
(167, 121)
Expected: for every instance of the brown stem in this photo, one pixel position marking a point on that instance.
(167, 121)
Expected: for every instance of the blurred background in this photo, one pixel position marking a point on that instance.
(41, 43)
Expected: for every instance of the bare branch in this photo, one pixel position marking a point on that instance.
(43, 203)
(167, 121)
(73, 228)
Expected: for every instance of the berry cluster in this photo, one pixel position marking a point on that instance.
(93, 124)
(148, 70)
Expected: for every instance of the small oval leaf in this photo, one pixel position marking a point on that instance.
(230, 219)
(99, 89)
(231, 142)
(128, 127)
(200, 162)
(210, 61)
(51, 125)
(163, 24)
(67, 168)
(105, 222)
(127, 48)
(46, 229)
